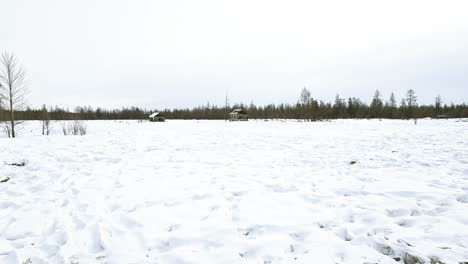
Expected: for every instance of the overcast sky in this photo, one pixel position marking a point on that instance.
(183, 53)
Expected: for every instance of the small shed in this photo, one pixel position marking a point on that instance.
(238, 115)
(442, 117)
(156, 117)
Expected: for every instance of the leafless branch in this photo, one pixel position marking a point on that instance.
(13, 91)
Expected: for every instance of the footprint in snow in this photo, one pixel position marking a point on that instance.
(301, 236)
(4, 205)
(251, 232)
(79, 225)
(398, 212)
(406, 222)
(281, 189)
(297, 249)
(171, 204)
(344, 234)
(129, 223)
(200, 196)
(173, 228)
(462, 198)
(94, 242)
(238, 193)
(311, 199)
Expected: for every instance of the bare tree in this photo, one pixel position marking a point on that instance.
(75, 127)
(305, 96)
(13, 89)
(64, 128)
(45, 121)
(304, 103)
(437, 105)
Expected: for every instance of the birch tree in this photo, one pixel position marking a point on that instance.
(13, 90)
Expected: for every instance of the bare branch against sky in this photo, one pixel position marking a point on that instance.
(184, 53)
(13, 91)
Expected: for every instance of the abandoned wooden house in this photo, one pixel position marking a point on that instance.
(238, 115)
(156, 117)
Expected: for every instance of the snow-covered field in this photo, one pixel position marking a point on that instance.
(227, 192)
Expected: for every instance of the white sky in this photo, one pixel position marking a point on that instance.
(179, 53)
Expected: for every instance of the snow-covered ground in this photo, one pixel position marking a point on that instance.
(246, 192)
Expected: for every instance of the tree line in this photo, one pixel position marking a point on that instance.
(14, 108)
(306, 108)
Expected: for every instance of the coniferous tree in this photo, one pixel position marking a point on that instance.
(392, 104)
(404, 108)
(351, 108)
(339, 107)
(376, 105)
(411, 101)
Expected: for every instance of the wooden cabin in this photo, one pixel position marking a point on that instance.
(156, 117)
(238, 115)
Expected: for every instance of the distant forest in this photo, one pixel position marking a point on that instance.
(306, 108)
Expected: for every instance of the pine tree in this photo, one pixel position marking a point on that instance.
(393, 106)
(403, 107)
(411, 101)
(376, 105)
